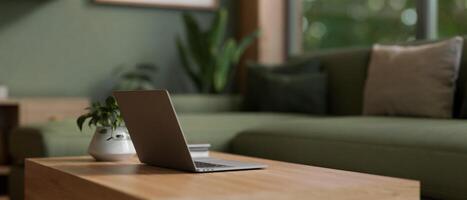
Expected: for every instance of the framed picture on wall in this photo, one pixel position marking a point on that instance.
(174, 4)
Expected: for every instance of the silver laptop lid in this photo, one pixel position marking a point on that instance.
(154, 129)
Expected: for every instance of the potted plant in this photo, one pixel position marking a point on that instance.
(139, 77)
(111, 141)
(207, 58)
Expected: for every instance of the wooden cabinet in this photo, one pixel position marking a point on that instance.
(23, 111)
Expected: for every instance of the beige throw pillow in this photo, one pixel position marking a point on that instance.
(413, 80)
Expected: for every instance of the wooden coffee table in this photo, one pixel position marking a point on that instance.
(83, 178)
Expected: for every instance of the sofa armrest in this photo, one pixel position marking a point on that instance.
(199, 103)
(58, 138)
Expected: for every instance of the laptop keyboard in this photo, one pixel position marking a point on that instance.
(207, 165)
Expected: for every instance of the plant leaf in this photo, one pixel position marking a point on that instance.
(104, 114)
(130, 78)
(224, 64)
(137, 76)
(218, 28)
(206, 59)
(80, 121)
(194, 38)
(110, 101)
(184, 57)
(244, 44)
(199, 47)
(92, 122)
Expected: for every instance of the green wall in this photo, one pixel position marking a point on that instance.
(70, 47)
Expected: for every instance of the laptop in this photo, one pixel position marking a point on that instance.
(158, 138)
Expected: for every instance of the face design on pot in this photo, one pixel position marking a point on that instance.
(117, 134)
(120, 136)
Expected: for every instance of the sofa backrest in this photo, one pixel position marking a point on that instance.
(347, 71)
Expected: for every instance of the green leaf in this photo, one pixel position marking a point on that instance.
(184, 57)
(80, 121)
(194, 38)
(102, 114)
(244, 44)
(224, 64)
(208, 76)
(206, 59)
(199, 47)
(218, 28)
(137, 76)
(132, 78)
(92, 122)
(146, 86)
(110, 101)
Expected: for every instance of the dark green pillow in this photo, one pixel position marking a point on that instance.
(291, 88)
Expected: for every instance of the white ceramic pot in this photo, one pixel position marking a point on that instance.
(111, 145)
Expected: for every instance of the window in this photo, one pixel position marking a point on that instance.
(337, 23)
(452, 18)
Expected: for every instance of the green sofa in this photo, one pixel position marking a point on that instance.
(433, 151)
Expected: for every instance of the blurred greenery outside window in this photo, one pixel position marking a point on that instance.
(338, 23)
(452, 18)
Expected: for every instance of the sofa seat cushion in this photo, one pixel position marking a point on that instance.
(219, 129)
(62, 138)
(58, 138)
(432, 151)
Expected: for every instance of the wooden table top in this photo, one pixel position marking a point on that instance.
(83, 178)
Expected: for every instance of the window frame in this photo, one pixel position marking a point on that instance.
(426, 27)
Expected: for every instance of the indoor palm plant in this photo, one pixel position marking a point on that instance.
(111, 141)
(207, 58)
